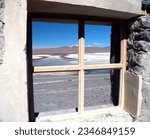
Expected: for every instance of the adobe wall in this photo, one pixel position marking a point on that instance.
(13, 71)
(138, 58)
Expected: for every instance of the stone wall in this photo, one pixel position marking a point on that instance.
(2, 7)
(138, 58)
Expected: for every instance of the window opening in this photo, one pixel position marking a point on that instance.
(55, 91)
(76, 71)
(54, 44)
(97, 44)
(97, 89)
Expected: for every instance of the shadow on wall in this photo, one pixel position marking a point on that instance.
(115, 58)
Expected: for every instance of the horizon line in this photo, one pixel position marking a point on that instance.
(43, 47)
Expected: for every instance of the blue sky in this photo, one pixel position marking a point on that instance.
(50, 35)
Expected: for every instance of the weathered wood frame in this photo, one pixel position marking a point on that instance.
(123, 62)
(81, 67)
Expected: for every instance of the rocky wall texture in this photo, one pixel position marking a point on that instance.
(2, 7)
(138, 58)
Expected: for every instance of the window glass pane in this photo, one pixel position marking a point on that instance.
(97, 44)
(97, 89)
(54, 44)
(55, 91)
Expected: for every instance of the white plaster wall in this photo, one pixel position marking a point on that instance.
(122, 9)
(131, 6)
(13, 71)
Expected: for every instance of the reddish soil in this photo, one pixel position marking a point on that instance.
(68, 50)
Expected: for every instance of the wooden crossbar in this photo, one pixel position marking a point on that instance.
(40, 69)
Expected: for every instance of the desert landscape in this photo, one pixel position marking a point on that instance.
(58, 91)
(69, 56)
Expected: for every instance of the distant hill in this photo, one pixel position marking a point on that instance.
(69, 50)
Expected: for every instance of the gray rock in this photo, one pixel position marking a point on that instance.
(145, 35)
(1, 42)
(144, 21)
(135, 27)
(1, 26)
(142, 46)
(2, 4)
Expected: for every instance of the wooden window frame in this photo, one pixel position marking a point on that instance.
(81, 67)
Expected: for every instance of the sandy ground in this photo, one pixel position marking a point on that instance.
(58, 92)
(68, 50)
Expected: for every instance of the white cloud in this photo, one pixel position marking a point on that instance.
(96, 43)
(89, 45)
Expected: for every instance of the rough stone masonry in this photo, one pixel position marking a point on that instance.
(138, 58)
(2, 7)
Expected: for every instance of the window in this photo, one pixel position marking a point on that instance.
(97, 89)
(97, 43)
(80, 67)
(55, 40)
(55, 91)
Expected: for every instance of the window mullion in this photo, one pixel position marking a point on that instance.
(123, 61)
